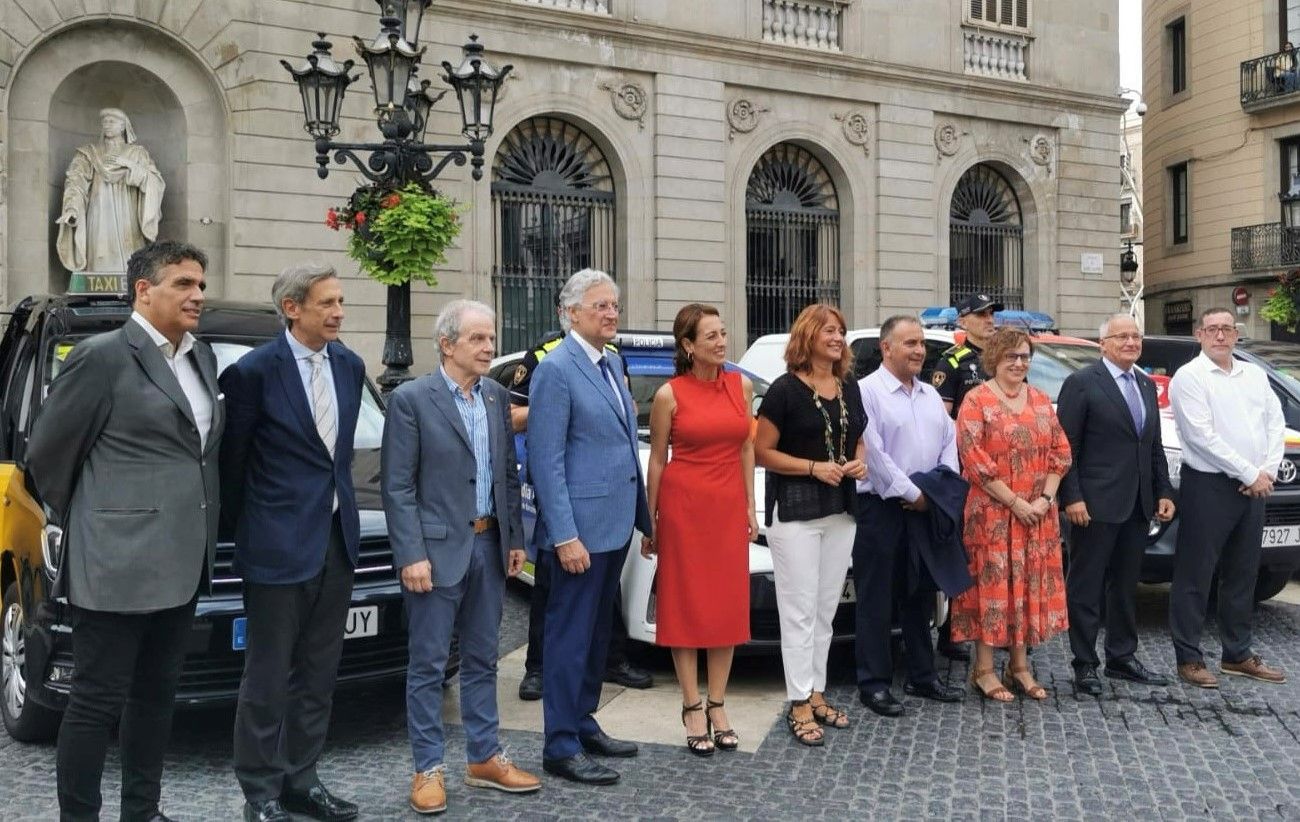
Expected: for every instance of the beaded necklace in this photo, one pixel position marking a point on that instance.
(841, 457)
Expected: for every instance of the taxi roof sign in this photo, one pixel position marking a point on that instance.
(83, 283)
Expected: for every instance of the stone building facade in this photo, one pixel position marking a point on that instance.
(756, 154)
(1222, 158)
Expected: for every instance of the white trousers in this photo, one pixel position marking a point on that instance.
(810, 560)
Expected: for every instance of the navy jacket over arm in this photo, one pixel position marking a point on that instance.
(939, 546)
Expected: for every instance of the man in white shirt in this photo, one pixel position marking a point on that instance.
(1232, 433)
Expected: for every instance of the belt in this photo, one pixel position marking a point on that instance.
(484, 524)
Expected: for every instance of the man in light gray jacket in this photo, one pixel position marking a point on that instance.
(124, 453)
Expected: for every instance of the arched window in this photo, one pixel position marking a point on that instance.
(553, 208)
(792, 221)
(986, 239)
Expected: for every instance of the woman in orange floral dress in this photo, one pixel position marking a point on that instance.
(1014, 453)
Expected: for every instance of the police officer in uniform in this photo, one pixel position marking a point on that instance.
(618, 668)
(959, 371)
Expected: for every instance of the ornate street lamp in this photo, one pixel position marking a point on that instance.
(403, 105)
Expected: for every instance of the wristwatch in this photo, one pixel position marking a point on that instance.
(1050, 499)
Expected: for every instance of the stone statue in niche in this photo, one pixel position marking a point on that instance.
(112, 199)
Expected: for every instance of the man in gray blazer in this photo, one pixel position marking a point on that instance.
(451, 495)
(124, 453)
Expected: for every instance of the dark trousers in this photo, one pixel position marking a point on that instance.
(295, 638)
(537, 618)
(577, 642)
(1218, 527)
(1105, 563)
(881, 552)
(126, 667)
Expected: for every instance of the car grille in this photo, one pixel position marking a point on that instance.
(1287, 513)
(374, 562)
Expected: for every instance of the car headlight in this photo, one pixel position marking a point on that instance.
(52, 550)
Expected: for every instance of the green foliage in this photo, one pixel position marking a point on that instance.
(1281, 307)
(397, 235)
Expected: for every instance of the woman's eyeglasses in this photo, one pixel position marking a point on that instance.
(1024, 358)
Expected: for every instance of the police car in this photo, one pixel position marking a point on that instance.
(649, 358)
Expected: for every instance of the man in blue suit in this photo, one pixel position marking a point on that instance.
(286, 481)
(451, 495)
(582, 457)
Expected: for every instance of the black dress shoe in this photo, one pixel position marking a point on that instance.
(935, 690)
(580, 768)
(530, 689)
(268, 811)
(603, 744)
(882, 702)
(318, 803)
(1135, 671)
(956, 651)
(1087, 681)
(629, 676)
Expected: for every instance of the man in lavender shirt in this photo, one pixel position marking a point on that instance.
(908, 431)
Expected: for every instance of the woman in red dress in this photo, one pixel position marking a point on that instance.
(1014, 454)
(702, 505)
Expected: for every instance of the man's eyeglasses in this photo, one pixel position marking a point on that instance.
(602, 307)
(1024, 358)
(1216, 330)
(1126, 337)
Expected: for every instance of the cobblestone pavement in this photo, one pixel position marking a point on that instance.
(1135, 753)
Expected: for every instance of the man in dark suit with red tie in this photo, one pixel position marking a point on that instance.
(286, 481)
(1119, 480)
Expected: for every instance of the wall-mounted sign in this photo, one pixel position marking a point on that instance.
(1178, 311)
(1091, 263)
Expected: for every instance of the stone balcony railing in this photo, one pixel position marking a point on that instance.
(1265, 247)
(589, 6)
(993, 54)
(814, 25)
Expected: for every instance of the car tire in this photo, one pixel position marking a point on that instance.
(1270, 582)
(24, 720)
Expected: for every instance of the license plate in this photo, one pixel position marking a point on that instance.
(1281, 535)
(362, 621)
(850, 594)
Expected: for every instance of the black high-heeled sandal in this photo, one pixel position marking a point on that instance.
(724, 738)
(699, 745)
(805, 731)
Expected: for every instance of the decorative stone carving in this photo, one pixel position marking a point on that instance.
(1041, 149)
(947, 139)
(743, 115)
(856, 128)
(112, 199)
(630, 100)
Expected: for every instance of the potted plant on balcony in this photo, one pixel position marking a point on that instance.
(398, 233)
(1281, 306)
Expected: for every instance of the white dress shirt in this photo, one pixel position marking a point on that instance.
(906, 432)
(187, 374)
(1229, 422)
(1118, 374)
(302, 356)
(595, 357)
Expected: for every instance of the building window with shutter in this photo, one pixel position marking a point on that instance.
(1178, 204)
(1004, 14)
(1176, 47)
(1125, 218)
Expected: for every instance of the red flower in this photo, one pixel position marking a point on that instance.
(359, 218)
(332, 219)
(390, 201)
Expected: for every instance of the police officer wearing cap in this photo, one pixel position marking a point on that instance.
(959, 371)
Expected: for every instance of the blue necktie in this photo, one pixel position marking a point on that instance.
(1133, 399)
(603, 362)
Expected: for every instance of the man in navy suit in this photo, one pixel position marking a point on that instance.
(286, 479)
(582, 457)
(1118, 481)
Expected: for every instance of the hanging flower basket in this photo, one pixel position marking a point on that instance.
(1281, 305)
(398, 234)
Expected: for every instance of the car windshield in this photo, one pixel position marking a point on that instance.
(1285, 360)
(370, 420)
(1054, 361)
(644, 387)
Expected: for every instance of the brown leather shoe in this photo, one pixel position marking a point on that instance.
(1254, 668)
(428, 793)
(1195, 673)
(502, 774)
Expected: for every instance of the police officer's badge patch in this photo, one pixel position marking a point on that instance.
(521, 373)
(937, 378)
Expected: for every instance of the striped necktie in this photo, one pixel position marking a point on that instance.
(322, 403)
